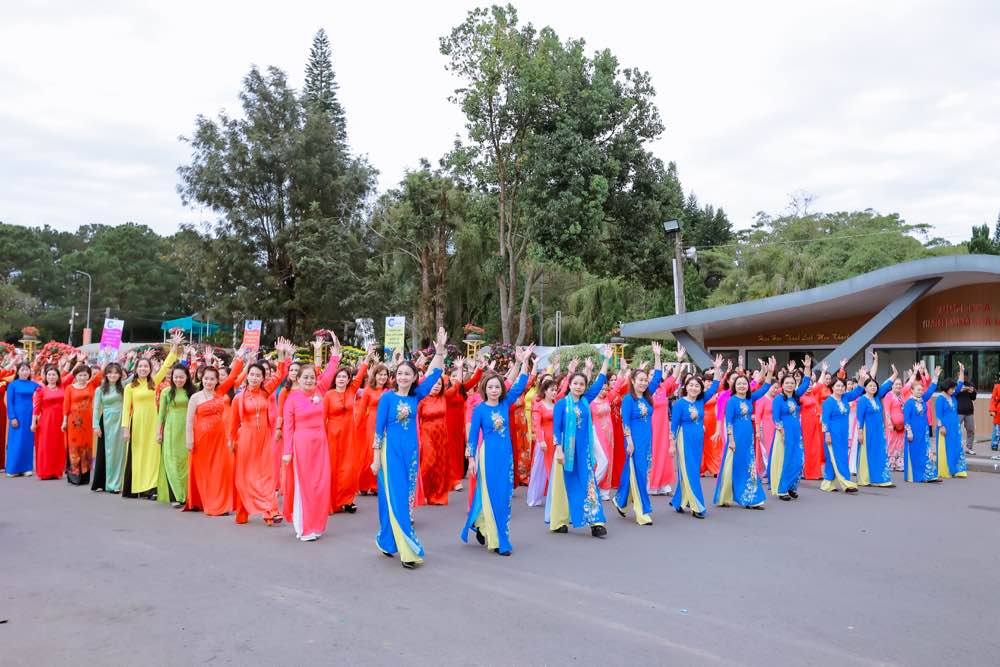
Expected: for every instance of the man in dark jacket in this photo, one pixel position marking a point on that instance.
(965, 405)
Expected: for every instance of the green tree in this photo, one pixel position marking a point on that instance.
(555, 137)
(320, 89)
(420, 219)
(277, 176)
(981, 243)
(796, 252)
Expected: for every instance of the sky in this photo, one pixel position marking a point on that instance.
(888, 105)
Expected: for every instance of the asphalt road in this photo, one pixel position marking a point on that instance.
(901, 576)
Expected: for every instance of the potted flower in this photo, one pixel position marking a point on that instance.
(472, 332)
(30, 333)
(616, 336)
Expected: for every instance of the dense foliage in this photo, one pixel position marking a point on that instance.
(550, 201)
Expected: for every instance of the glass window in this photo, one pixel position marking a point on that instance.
(988, 369)
(967, 358)
(728, 356)
(903, 359)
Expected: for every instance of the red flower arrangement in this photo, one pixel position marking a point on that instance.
(6, 349)
(53, 351)
(321, 333)
(473, 329)
(29, 332)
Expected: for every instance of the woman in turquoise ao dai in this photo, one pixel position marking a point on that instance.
(687, 440)
(919, 456)
(948, 438)
(492, 459)
(573, 496)
(784, 468)
(836, 422)
(637, 425)
(738, 480)
(395, 457)
(873, 454)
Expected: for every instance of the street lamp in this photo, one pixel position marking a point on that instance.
(90, 286)
(678, 266)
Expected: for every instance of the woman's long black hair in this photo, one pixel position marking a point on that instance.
(105, 385)
(188, 385)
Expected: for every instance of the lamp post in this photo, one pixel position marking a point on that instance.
(90, 286)
(678, 265)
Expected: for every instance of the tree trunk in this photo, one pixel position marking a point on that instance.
(522, 322)
(425, 309)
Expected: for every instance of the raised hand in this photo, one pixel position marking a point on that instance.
(441, 342)
(656, 347)
(791, 365)
(807, 361)
(680, 352)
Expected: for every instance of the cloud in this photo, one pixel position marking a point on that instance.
(887, 105)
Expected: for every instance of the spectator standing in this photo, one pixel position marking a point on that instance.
(965, 405)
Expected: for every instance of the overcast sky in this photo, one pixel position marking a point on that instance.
(887, 105)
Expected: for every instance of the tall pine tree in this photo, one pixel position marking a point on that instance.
(320, 90)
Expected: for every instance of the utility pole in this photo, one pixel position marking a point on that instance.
(72, 316)
(87, 332)
(678, 264)
(679, 273)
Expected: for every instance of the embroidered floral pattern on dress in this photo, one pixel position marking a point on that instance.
(499, 426)
(693, 412)
(793, 407)
(579, 416)
(643, 410)
(592, 505)
(403, 414)
(744, 409)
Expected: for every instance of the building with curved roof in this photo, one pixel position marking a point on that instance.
(942, 310)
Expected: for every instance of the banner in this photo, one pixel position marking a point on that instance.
(251, 335)
(364, 332)
(111, 339)
(395, 332)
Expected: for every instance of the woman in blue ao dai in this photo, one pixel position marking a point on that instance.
(738, 480)
(873, 453)
(395, 457)
(919, 455)
(947, 436)
(491, 457)
(687, 440)
(836, 422)
(20, 437)
(573, 497)
(637, 425)
(784, 468)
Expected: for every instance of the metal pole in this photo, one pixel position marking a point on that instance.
(90, 288)
(72, 316)
(679, 305)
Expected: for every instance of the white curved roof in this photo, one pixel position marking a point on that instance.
(867, 293)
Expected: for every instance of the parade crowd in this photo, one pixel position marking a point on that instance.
(298, 442)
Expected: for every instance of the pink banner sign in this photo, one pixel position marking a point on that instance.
(111, 338)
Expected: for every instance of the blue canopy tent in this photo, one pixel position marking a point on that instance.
(191, 326)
